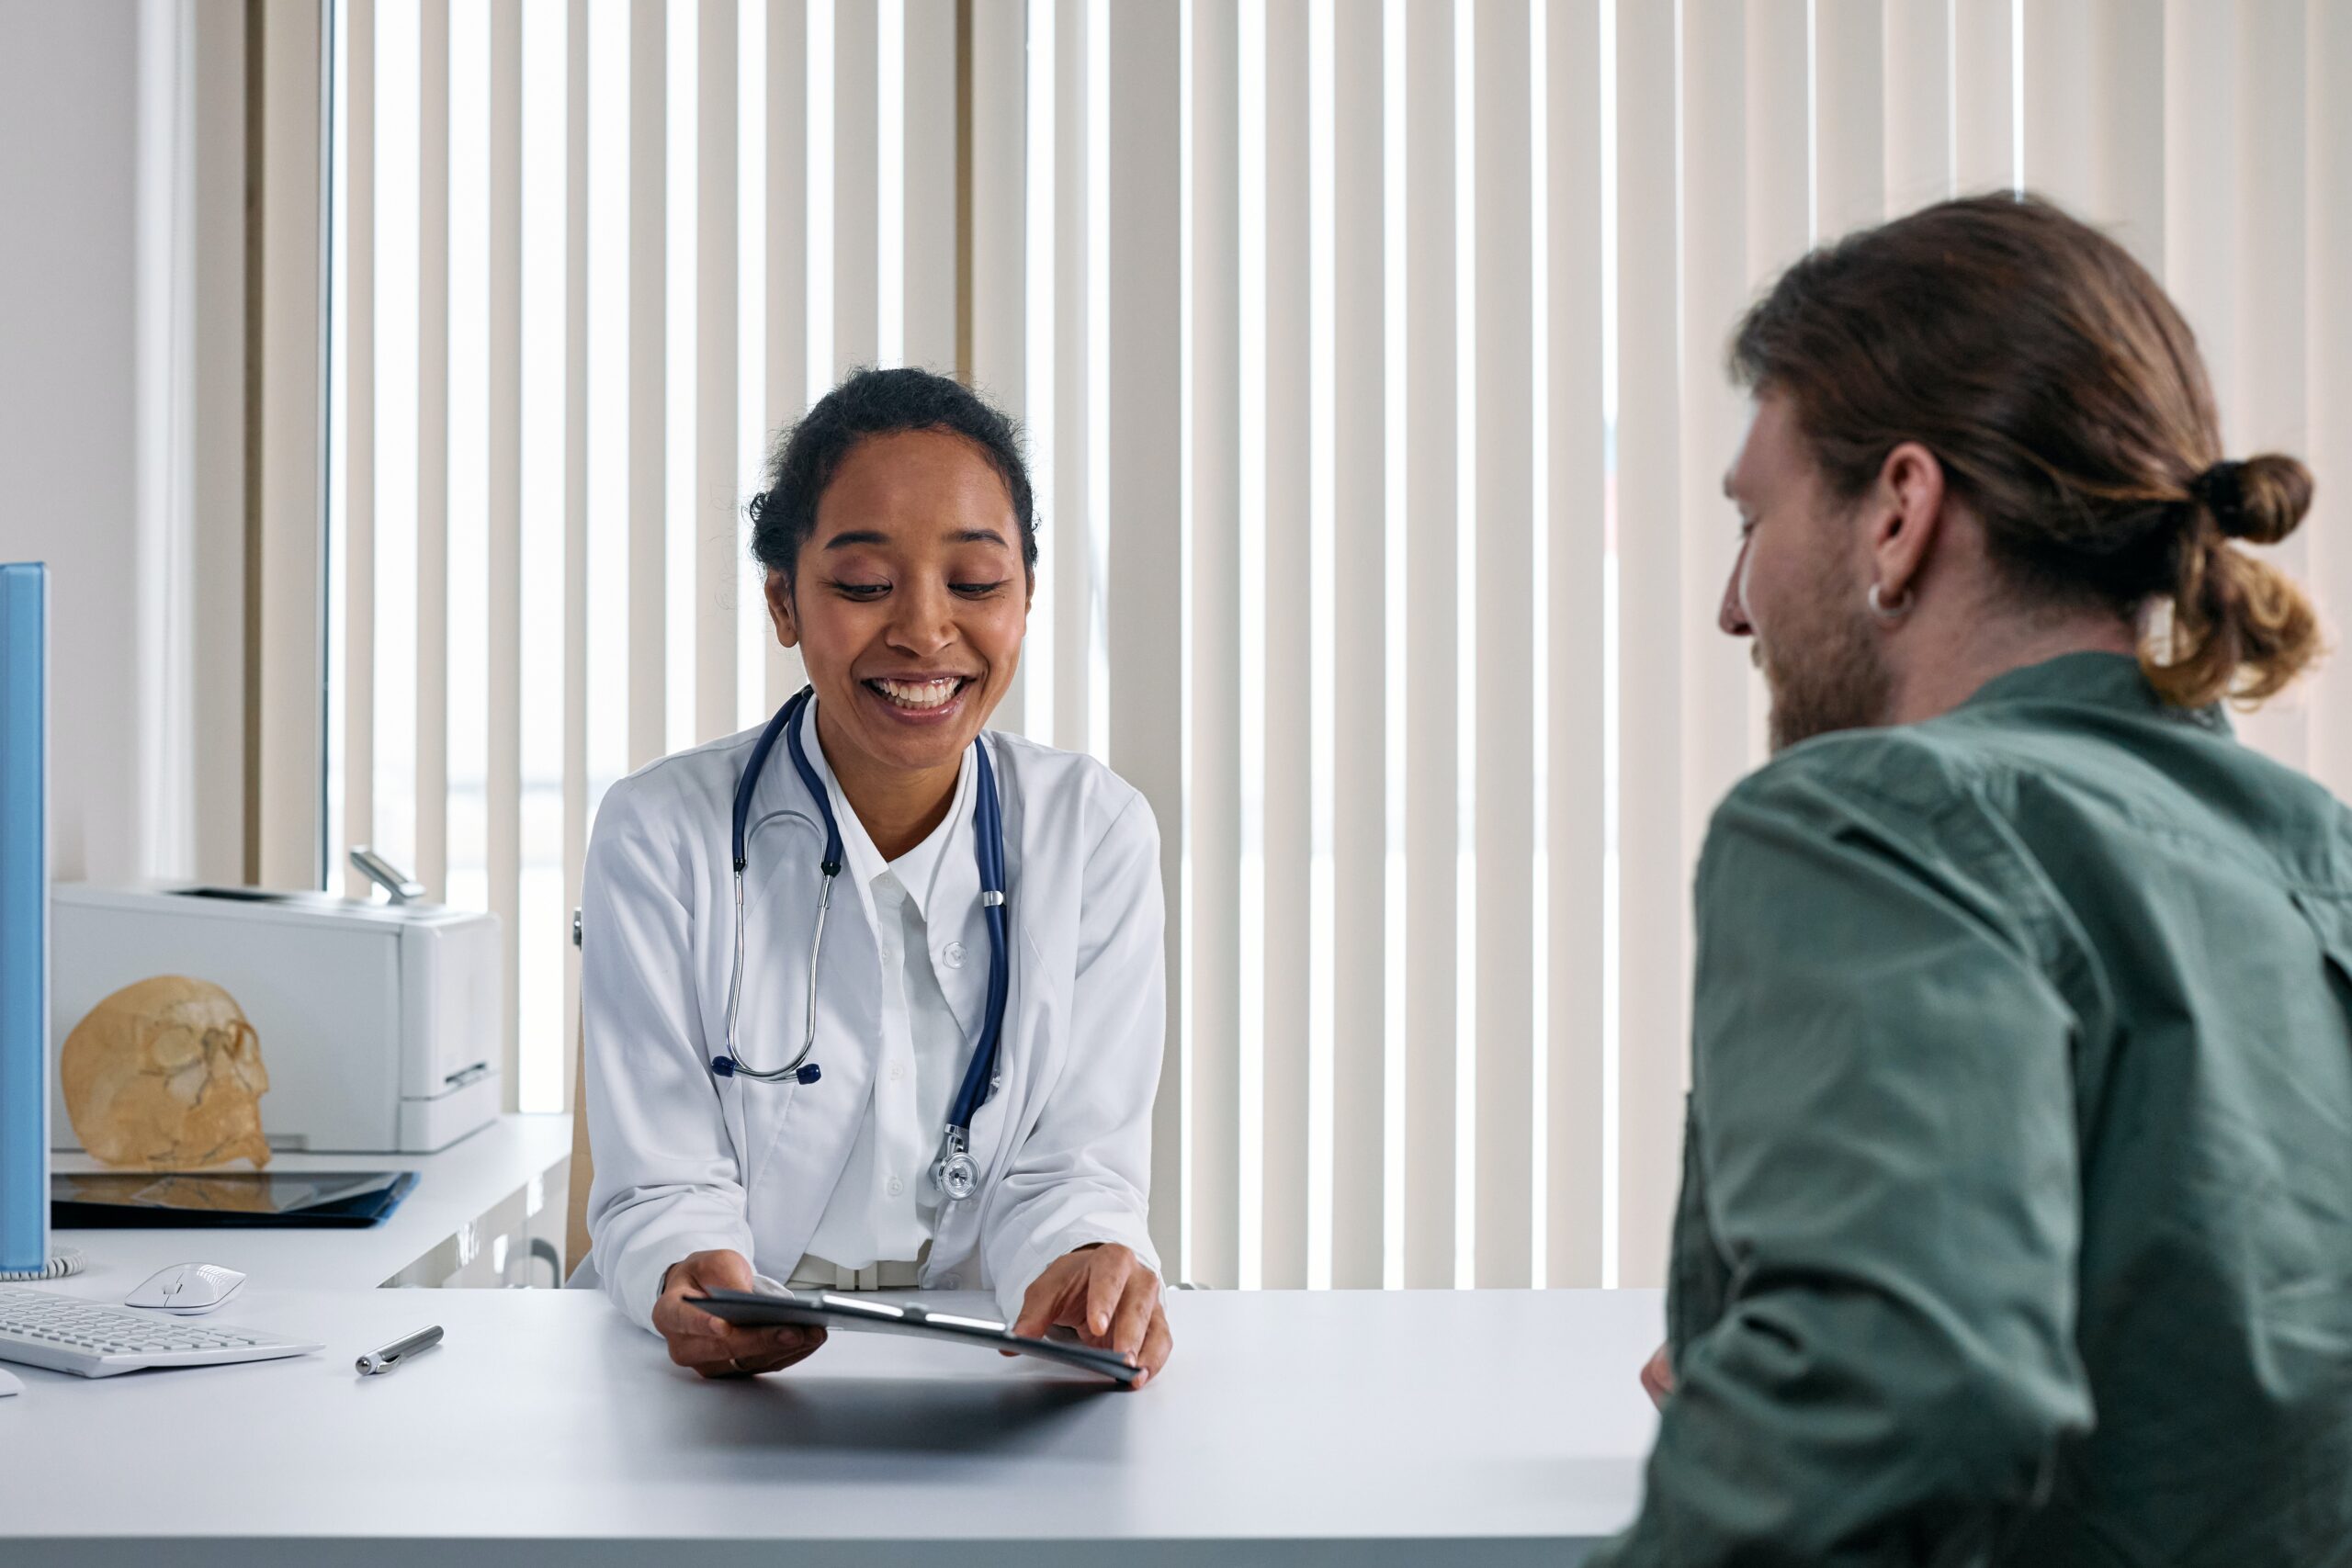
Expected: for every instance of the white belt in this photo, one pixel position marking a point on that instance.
(814, 1273)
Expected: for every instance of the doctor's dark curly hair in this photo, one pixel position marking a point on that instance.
(869, 403)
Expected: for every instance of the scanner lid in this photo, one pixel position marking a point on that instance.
(262, 903)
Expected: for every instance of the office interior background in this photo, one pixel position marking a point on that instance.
(384, 378)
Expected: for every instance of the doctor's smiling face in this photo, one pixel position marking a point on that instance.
(899, 544)
(910, 600)
(899, 566)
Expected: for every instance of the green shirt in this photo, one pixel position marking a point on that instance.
(2016, 1224)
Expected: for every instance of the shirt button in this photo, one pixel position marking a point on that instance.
(896, 1187)
(897, 1071)
(954, 953)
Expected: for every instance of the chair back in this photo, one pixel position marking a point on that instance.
(584, 1166)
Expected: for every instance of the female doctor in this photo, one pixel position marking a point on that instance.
(962, 895)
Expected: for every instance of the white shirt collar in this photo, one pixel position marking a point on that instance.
(916, 871)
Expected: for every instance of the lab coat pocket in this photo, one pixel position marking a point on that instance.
(730, 1111)
(764, 1109)
(756, 1113)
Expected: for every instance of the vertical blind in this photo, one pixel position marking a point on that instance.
(1370, 357)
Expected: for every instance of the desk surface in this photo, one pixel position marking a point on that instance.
(456, 1184)
(1506, 1424)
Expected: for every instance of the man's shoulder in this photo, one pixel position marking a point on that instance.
(1935, 803)
(1902, 768)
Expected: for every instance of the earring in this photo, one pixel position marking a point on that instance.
(1886, 612)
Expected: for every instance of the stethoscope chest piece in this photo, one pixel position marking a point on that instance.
(959, 1176)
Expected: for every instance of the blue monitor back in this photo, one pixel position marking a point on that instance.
(24, 918)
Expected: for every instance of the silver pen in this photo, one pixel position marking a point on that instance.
(399, 1350)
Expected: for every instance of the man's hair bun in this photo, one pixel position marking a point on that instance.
(2273, 492)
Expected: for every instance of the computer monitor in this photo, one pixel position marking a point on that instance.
(24, 918)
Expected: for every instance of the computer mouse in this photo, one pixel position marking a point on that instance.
(186, 1288)
(10, 1383)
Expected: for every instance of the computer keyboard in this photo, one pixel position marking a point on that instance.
(98, 1340)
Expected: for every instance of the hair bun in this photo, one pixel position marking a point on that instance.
(2261, 500)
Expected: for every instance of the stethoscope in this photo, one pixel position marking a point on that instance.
(954, 1172)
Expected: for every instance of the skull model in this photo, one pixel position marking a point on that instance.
(167, 1075)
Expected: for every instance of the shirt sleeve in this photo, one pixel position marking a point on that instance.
(1884, 1112)
(667, 1180)
(1083, 1174)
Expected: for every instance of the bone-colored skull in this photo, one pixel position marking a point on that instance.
(167, 1075)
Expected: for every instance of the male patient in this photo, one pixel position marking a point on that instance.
(2017, 1220)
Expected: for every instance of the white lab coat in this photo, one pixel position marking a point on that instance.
(686, 1161)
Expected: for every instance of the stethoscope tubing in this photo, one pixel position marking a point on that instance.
(953, 1170)
(793, 1068)
(989, 847)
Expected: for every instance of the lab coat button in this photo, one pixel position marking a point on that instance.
(897, 1071)
(896, 1187)
(950, 1282)
(953, 954)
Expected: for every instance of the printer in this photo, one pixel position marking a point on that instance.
(382, 1025)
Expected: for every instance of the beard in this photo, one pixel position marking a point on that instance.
(1822, 667)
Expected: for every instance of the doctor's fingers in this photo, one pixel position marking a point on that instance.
(1114, 1276)
(746, 1351)
(691, 1276)
(1056, 1296)
(1138, 1305)
(675, 1320)
(1157, 1345)
(1108, 1279)
(783, 1350)
(1081, 1291)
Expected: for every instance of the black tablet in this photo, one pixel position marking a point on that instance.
(832, 1310)
(103, 1200)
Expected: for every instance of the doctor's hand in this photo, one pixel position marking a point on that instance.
(1109, 1297)
(711, 1346)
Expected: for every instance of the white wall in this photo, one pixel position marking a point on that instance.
(71, 256)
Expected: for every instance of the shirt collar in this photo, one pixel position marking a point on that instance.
(2112, 681)
(917, 871)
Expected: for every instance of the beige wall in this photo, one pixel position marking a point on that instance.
(68, 177)
(70, 456)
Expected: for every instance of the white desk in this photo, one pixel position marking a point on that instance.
(502, 1184)
(1472, 1427)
